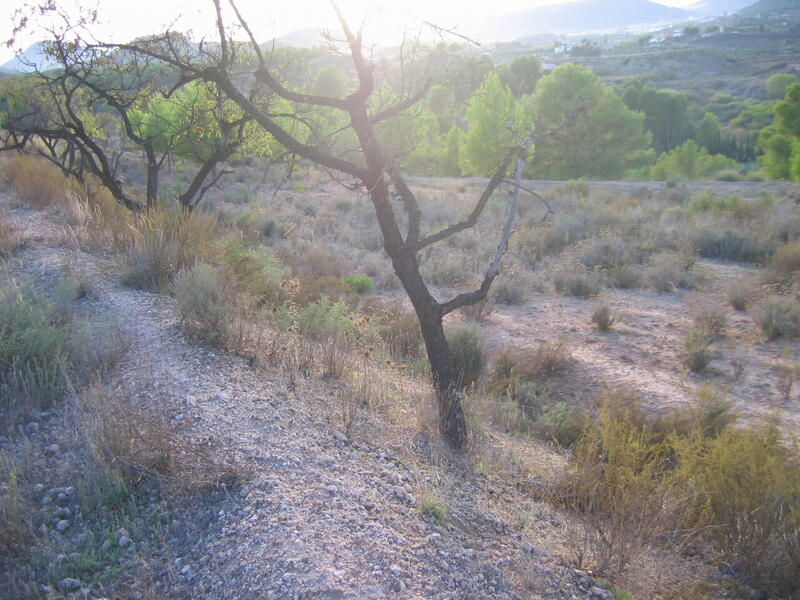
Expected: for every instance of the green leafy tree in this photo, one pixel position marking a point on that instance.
(491, 114)
(690, 162)
(777, 84)
(521, 74)
(665, 114)
(780, 142)
(605, 140)
(709, 133)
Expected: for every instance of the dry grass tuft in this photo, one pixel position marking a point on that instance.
(140, 443)
(37, 182)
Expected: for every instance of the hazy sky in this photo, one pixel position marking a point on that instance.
(125, 19)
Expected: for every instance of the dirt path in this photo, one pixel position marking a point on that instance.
(321, 517)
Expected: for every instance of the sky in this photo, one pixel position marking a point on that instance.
(122, 20)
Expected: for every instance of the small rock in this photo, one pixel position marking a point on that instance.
(33, 429)
(179, 417)
(62, 525)
(62, 512)
(38, 488)
(124, 541)
(597, 592)
(528, 548)
(105, 546)
(68, 584)
(186, 569)
(52, 450)
(395, 570)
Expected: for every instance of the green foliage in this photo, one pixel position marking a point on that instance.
(466, 348)
(707, 201)
(686, 475)
(560, 423)
(781, 143)
(577, 283)
(777, 84)
(521, 74)
(602, 142)
(492, 114)
(435, 509)
(665, 111)
(37, 347)
(359, 284)
(253, 270)
(696, 351)
(326, 319)
(689, 162)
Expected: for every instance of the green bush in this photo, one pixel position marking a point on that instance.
(688, 476)
(708, 201)
(400, 332)
(603, 318)
(37, 346)
(253, 270)
(466, 348)
(326, 319)
(560, 423)
(778, 317)
(696, 351)
(668, 271)
(203, 302)
(359, 284)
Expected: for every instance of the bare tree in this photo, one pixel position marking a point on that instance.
(245, 75)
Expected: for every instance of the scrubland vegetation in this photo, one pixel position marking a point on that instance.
(700, 465)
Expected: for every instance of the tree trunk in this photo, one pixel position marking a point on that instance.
(452, 424)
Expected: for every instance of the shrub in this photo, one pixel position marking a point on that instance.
(326, 319)
(731, 244)
(710, 321)
(203, 302)
(560, 423)
(603, 318)
(508, 291)
(786, 261)
(778, 316)
(666, 272)
(316, 261)
(37, 182)
(435, 509)
(624, 277)
(634, 481)
(708, 201)
(466, 348)
(696, 353)
(166, 241)
(359, 284)
(739, 296)
(135, 445)
(252, 270)
(36, 347)
(577, 283)
(605, 252)
(400, 332)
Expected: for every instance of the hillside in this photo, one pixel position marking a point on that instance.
(576, 17)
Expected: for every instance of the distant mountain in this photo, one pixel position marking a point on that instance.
(33, 56)
(773, 8)
(302, 38)
(577, 17)
(718, 8)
